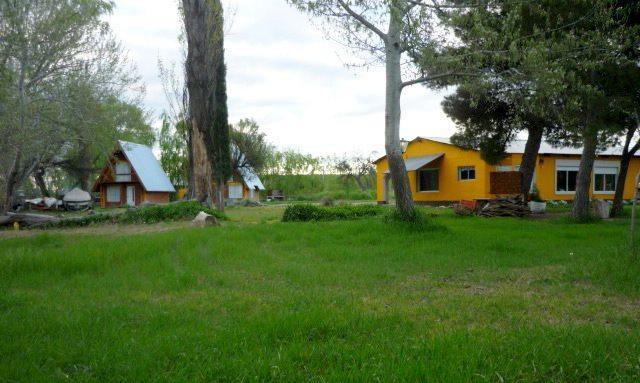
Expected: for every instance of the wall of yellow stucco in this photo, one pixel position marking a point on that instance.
(452, 189)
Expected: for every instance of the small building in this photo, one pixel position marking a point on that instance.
(244, 185)
(439, 171)
(132, 176)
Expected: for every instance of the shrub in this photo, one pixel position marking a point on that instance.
(152, 214)
(307, 212)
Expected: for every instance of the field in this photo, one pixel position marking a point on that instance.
(258, 300)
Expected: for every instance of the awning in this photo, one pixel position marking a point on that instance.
(415, 163)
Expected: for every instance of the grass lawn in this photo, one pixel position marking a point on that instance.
(258, 300)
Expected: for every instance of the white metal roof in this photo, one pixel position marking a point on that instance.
(251, 179)
(415, 163)
(249, 176)
(517, 147)
(147, 167)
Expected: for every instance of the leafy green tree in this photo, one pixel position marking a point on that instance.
(563, 59)
(250, 146)
(174, 156)
(44, 44)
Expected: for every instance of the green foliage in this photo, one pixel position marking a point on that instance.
(146, 215)
(174, 151)
(307, 212)
(251, 147)
(222, 166)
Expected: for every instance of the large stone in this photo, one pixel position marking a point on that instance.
(601, 208)
(203, 219)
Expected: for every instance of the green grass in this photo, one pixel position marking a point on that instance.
(364, 300)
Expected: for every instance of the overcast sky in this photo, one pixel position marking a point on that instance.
(285, 74)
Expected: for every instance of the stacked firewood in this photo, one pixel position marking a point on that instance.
(503, 207)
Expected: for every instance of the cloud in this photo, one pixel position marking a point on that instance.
(284, 73)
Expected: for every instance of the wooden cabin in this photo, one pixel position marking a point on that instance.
(132, 176)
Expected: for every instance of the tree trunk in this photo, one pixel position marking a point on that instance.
(201, 168)
(616, 209)
(627, 154)
(38, 176)
(393, 147)
(581, 200)
(529, 157)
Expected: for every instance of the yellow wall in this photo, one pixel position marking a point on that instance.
(452, 189)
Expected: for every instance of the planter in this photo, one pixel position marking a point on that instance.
(537, 207)
(602, 209)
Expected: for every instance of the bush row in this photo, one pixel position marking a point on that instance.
(307, 212)
(152, 214)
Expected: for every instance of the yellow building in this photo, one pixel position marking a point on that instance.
(442, 172)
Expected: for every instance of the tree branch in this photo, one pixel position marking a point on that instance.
(424, 79)
(363, 20)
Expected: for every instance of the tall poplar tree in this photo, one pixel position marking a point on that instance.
(206, 72)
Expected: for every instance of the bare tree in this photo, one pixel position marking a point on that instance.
(409, 25)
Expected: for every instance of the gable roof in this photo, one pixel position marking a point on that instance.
(249, 176)
(147, 167)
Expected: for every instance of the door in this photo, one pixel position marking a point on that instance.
(131, 195)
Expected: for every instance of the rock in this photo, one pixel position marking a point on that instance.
(203, 219)
(601, 208)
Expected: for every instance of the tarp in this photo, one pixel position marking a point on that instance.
(77, 195)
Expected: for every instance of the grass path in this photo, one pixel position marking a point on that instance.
(480, 300)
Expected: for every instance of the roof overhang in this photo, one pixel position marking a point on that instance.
(416, 163)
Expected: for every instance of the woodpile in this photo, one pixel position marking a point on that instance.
(503, 207)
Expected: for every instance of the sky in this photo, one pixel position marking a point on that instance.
(284, 73)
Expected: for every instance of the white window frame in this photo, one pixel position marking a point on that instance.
(116, 189)
(437, 171)
(123, 171)
(467, 169)
(567, 166)
(605, 167)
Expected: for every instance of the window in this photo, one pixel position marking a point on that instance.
(566, 180)
(428, 180)
(604, 179)
(123, 172)
(235, 191)
(466, 173)
(113, 193)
